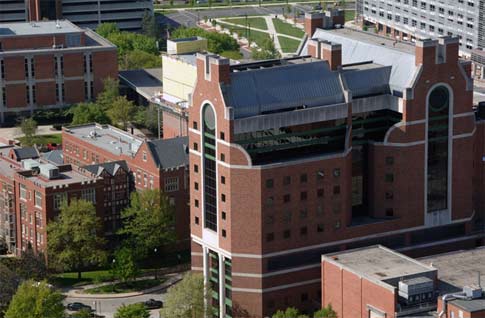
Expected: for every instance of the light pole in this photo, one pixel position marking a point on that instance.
(156, 267)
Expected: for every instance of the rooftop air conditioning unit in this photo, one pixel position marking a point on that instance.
(473, 291)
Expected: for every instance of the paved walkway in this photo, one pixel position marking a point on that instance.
(272, 32)
(80, 292)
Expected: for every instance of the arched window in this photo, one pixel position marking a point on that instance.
(210, 178)
(438, 132)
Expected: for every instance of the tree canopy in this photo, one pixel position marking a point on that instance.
(124, 266)
(36, 300)
(132, 311)
(28, 126)
(121, 111)
(266, 51)
(148, 222)
(8, 285)
(216, 42)
(84, 113)
(326, 312)
(74, 237)
(186, 299)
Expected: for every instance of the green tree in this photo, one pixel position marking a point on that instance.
(121, 111)
(290, 312)
(132, 311)
(8, 285)
(326, 312)
(28, 126)
(216, 42)
(84, 113)
(148, 117)
(36, 300)
(111, 91)
(31, 265)
(105, 29)
(74, 237)
(186, 299)
(266, 52)
(83, 313)
(149, 25)
(138, 59)
(149, 221)
(124, 267)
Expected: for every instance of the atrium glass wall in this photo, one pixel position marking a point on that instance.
(438, 130)
(210, 179)
(214, 282)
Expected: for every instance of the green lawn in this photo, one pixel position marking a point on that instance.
(70, 279)
(254, 22)
(45, 139)
(349, 15)
(288, 45)
(120, 288)
(254, 36)
(288, 29)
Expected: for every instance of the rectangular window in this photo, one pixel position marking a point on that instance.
(287, 180)
(59, 198)
(34, 98)
(303, 178)
(171, 184)
(389, 177)
(26, 66)
(89, 195)
(23, 192)
(2, 69)
(27, 94)
(223, 180)
(38, 199)
(269, 183)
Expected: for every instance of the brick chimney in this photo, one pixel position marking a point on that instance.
(213, 68)
(448, 50)
(325, 50)
(312, 22)
(426, 52)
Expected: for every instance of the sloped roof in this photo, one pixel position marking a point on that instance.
(367, 80)
(54, 156)
(26, 153)
(170, 153)
(110, 167)
(360, 47)
(258, 91)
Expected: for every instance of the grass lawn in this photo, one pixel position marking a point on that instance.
(257, 22)
(45, 139)
(288, 45)
(254, 36)
(70, 279)
(288, 29)
(119, 288)
(349, 15)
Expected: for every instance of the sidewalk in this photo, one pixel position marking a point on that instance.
(79, 292)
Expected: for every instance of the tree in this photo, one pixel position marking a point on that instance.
(138, 59)
(124, 266)
(132, 311)
(186, 299)
(28, 126)
(149, 221)
(121, 111)
(216, 42)
(290, 312)
(84, 113)
(326, 312)
(83, 313)
(36, 300)
(74, 237)
(105, 29)
(8, 285)
(31, 265)
(267, 51)
(110, 92)
(149, 25)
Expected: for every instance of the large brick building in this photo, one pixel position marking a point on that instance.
(152, 164)
(367, 141)
(51, 65)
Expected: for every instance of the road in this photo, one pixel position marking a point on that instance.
(108, 307)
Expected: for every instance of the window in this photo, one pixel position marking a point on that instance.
(196, 220)
(389, 177)
(303, 178)
(223, 197)
(223, 157)
(26, 65)
(337, 225)
(221, 135)
(196, 146)
(320, 193)
(269, 201)
(171, 184)
(303, 213)
(196, 168)
(196, 186)
(336, 172)
(286, 198)
(389, 195)
(320, 175)
(269, 183)
(59, 198)
(23, 210)
(320, 228)
(287, 180)
(303, 231)
(303, 196)
(319, 211)
(89, 195)
(389, 161)
(389, 212)
(38, 218)
(144, 156)
(194, 125)
(336, 190)
(223, 215)
(269, 237)
(23, 192)
(223, 180)
(196, 203)
(287, 234)
(223, 233)
(38, 199)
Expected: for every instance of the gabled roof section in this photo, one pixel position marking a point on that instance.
(110, 167)
(367, 79)
(304, 84)
(25, 153)
(358, 47)
(55, 156)
(170, 153)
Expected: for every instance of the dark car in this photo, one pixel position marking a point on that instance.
(78, 307)
(153, 304)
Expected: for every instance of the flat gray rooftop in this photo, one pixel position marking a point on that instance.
(377, 263)
(146, 82)
(38, 28)
(107, 137)
(470, 305)
(458, 269)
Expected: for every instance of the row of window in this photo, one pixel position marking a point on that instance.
(287, 180)
(303, 232)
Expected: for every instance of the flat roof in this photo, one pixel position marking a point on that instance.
(146, 82)
(377, 263)
(65, 177)
(38, 28)
(107, 137)
(458, 269)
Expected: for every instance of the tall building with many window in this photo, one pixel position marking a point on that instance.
(13, 11)
(418, 19)
(358, 142)
(51, 65)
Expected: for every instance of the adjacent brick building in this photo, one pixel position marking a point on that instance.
(51, 64)
(152, 164)
(367, 141)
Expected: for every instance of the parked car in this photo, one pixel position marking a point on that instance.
(153, 304)
(53, 146)
(78, 307)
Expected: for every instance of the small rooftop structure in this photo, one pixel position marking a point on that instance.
(186, 45)
(146, 82)
(55, 157)
(38, 28)
(110, 167)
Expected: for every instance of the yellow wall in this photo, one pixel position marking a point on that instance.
(183, 47)
(178, 77)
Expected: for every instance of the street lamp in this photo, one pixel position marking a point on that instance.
(156, 267)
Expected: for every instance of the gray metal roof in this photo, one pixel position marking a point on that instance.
(55, 156)
(26, 153)
(38, 28)
(254, 92)
(110, 167)
(146, 82)
(368, 80)
(360, 47)
(470, 305)
(170, 153)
